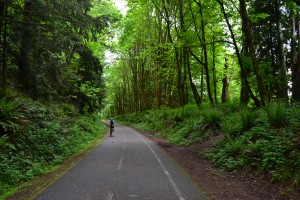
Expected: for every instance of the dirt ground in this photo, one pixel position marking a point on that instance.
(220, 185)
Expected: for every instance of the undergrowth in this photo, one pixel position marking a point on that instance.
(34, 137)
(266, 140)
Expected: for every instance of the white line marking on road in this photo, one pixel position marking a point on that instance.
(109, 196)
(171, 181)
(120, 163)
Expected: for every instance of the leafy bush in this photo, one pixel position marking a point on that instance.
(10, 113)
(212, 118)
(277, 115)
(226, 155)
(248, 119)
(262, 149)
(48, 139)
(230, 131)
(250, 139)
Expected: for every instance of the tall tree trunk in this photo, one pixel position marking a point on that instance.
(296, 60)
(184, 55)
(282, 90)
(202, 80)
(3, 40)
(203, 43)
(143, 83)
(26, 75)
(248, 36)
(225, 82)
(193, 86)
(180, 89)
(214, 69)
(197, 97)
(244, 95)
(243, 71)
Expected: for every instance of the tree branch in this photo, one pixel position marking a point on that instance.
(202, 63)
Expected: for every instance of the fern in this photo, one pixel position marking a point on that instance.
(277, 115)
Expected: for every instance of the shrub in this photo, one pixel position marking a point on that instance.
(212, 118)
(277, 115)
(10, 112)
(44, 142)
(230, 131)
(248, 118)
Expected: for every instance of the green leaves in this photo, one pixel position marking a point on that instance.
(10, 112)
(277, 115)
(259, 16)
(53, 134)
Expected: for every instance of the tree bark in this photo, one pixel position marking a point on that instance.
(248, 36)
(203, 43)
(296, 60)
(193, 86)
(282, 89)
(26, 75)
(3, 40)
(214, 69)
(225, 82)
(243, 72)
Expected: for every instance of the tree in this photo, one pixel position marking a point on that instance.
(45, 49)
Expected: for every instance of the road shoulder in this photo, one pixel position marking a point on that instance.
(35, 187)
(220, 185)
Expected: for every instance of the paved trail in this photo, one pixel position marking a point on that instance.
(124, 167)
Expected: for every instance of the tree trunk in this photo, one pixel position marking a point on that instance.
(3, 40)
(296, 60)
(177, 57)
(202, 80)
(203, 43)
(225, 82)
(214, 69)
(26, 75)
(282, 89)
(243, 71)
(184, 54)
(193, 86)
(247, 33)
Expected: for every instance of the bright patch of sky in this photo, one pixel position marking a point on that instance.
(110, 57)
(121, 5)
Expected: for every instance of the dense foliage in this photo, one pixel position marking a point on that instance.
(173, 53)
(54, 50)
(236, 56)
(51, 82)
(39, 137)
(251, 139)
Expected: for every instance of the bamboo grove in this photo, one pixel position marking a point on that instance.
(176, 52)
(51, 49)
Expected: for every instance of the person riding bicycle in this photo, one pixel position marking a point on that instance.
(112, 126)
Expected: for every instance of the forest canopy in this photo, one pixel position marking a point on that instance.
(53, 50)
(174, 53)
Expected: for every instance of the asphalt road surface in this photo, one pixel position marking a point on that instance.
(127, 166)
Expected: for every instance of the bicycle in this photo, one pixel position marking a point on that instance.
(111, 130)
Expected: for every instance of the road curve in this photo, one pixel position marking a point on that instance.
(124, 167)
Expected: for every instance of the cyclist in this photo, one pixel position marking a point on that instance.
(112, 126)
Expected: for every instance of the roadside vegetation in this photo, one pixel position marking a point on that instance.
(266, 140)
(35, 137)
